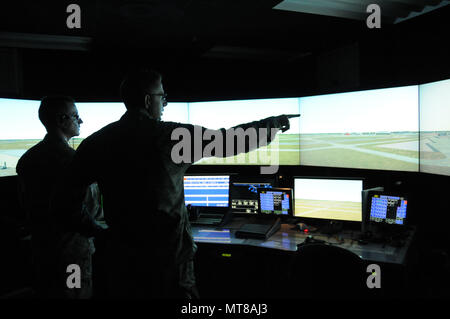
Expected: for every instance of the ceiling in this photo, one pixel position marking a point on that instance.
(392, 11)
(219, 49)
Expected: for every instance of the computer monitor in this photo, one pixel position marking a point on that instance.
(328, 198)
(275, 201)
(207, 190)
(388, 209)
(21, 129)
(244, 192)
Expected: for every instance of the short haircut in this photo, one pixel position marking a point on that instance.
(136, 85)
(51, 106)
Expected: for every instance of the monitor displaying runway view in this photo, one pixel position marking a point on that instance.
(334, 199)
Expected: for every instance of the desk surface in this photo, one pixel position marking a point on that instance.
(287, 239)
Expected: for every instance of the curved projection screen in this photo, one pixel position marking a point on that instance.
(20, 127)
(375, 129)
(435, 127)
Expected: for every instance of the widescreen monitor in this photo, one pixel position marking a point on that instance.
(435, 127)
(206, 190)
(328, 198)
(244, 192)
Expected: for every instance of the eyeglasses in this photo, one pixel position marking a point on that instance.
(75, 117)
(163, 97)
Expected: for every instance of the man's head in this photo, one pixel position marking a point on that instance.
(59, 114)
(143, 90)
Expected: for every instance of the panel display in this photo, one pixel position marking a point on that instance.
(206, 190)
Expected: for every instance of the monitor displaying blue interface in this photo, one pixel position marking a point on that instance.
(388, 209)
(207, 190)
(275, 201)
(21, 129)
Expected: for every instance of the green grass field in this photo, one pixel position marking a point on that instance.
(284, 150)
(390, 151)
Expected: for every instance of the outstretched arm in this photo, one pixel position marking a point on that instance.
(192, 142)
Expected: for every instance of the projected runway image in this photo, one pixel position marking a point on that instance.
(435, 152)
(335, 199)
(373, 129)
(435, 127)
(21, 129)
(284, 150)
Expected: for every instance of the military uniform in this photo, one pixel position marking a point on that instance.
(39, 169)
(150, 244)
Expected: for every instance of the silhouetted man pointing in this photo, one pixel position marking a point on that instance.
(151, 247)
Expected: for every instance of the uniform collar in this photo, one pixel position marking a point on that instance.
(137, 113)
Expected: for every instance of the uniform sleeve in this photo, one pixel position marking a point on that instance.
(92, 201)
